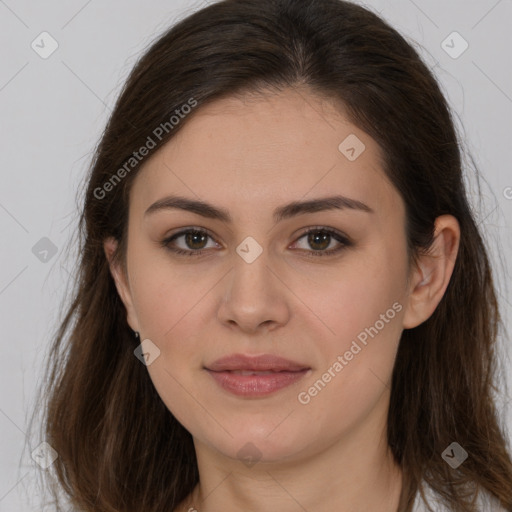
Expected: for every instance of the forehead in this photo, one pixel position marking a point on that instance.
(255, 151)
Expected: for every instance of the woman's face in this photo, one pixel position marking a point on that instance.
(257, 284)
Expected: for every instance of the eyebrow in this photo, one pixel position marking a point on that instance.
(283, 212)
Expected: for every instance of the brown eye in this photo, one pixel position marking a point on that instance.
(194, 241)
(319, 239)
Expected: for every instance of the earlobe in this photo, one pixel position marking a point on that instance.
(120, 279)
(433, 272)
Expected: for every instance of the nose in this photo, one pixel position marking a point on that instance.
(255, 298)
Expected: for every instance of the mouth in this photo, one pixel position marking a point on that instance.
(261, 363)
(254, 372)
(255, 376)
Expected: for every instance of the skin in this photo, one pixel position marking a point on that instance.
(250, 156)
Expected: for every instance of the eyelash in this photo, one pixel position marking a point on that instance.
(314, 254)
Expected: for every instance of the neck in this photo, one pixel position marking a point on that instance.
(355, 473)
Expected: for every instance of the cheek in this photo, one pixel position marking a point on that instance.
(355, 297)
(168, 296)
(354, 374)
(363, 310)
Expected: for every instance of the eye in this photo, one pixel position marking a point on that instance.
(320, 238)
(192, 238)
(195, 241)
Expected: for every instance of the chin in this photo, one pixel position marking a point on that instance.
(264, 441)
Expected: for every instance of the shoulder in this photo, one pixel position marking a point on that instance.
(485, 501)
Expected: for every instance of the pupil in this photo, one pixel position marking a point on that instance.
(191, 239)
(317, 238)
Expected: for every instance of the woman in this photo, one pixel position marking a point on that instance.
(284, 301)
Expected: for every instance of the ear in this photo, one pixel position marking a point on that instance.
(121, 280)
(433, 271)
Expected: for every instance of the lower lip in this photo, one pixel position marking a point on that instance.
(256, 385)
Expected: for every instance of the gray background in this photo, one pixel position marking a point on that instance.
(53, 111)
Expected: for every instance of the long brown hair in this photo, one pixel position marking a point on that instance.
(119, 447)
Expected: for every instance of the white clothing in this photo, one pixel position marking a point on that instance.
(486, 503)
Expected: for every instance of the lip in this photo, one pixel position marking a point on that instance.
(265, 362)
(255, 376)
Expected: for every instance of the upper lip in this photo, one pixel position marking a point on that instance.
(265, 362)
